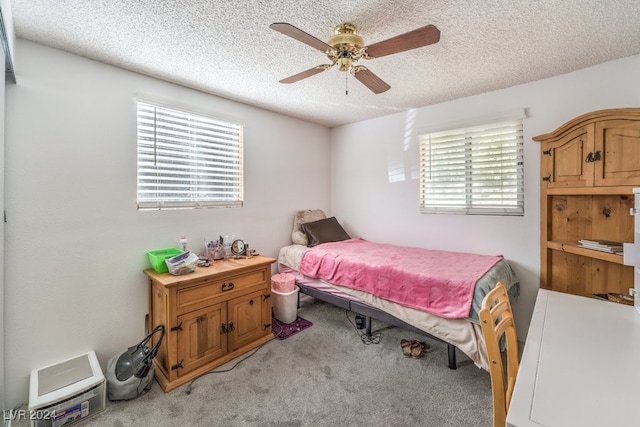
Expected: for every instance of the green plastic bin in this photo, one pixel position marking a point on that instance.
(157, 257)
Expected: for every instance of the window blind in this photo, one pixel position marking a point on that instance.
(187, 160)
(474, 170)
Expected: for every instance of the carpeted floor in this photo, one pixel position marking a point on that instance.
(324, 375)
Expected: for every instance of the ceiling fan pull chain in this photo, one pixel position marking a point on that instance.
(346, 83)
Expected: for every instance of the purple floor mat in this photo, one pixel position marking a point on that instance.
(285, 330)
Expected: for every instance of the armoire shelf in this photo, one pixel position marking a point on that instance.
(573, 248)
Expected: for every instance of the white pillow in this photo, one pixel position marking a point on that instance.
(309, 215)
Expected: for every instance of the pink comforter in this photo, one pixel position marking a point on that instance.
(438, 282)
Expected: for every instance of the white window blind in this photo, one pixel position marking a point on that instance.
(187, 160)
(475, 170)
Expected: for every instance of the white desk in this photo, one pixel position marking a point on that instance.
(580, 365)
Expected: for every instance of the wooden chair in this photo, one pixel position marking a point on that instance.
(496, 321)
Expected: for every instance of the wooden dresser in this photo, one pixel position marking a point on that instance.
(589, 166)
(210, 316)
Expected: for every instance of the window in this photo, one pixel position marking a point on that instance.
(187, 160)
(475, 170)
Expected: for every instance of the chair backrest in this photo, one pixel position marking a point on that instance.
(496, 321)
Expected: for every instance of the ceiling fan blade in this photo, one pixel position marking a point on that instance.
(412, 40)
(370, 80)
(308, 73)
(298, 34)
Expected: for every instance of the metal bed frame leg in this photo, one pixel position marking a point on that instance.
(451, 350)
(367, 323)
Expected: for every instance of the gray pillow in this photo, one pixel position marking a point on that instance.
(308, 215)
(323, 231)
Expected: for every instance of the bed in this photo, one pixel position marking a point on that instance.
(431, 292)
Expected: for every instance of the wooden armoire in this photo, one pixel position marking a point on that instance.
(589, 166)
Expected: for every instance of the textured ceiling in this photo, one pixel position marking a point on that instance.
(227, 48)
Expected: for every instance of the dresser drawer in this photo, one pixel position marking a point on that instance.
(208, 292)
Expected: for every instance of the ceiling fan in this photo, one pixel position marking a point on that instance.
(345, 47)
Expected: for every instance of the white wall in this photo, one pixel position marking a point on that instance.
(373, 206)
(75, 243)
(6, 20)
(2, 346)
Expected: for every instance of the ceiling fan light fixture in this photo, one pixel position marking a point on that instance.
(346, 36)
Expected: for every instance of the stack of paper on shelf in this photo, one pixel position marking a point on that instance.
(601, 245)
